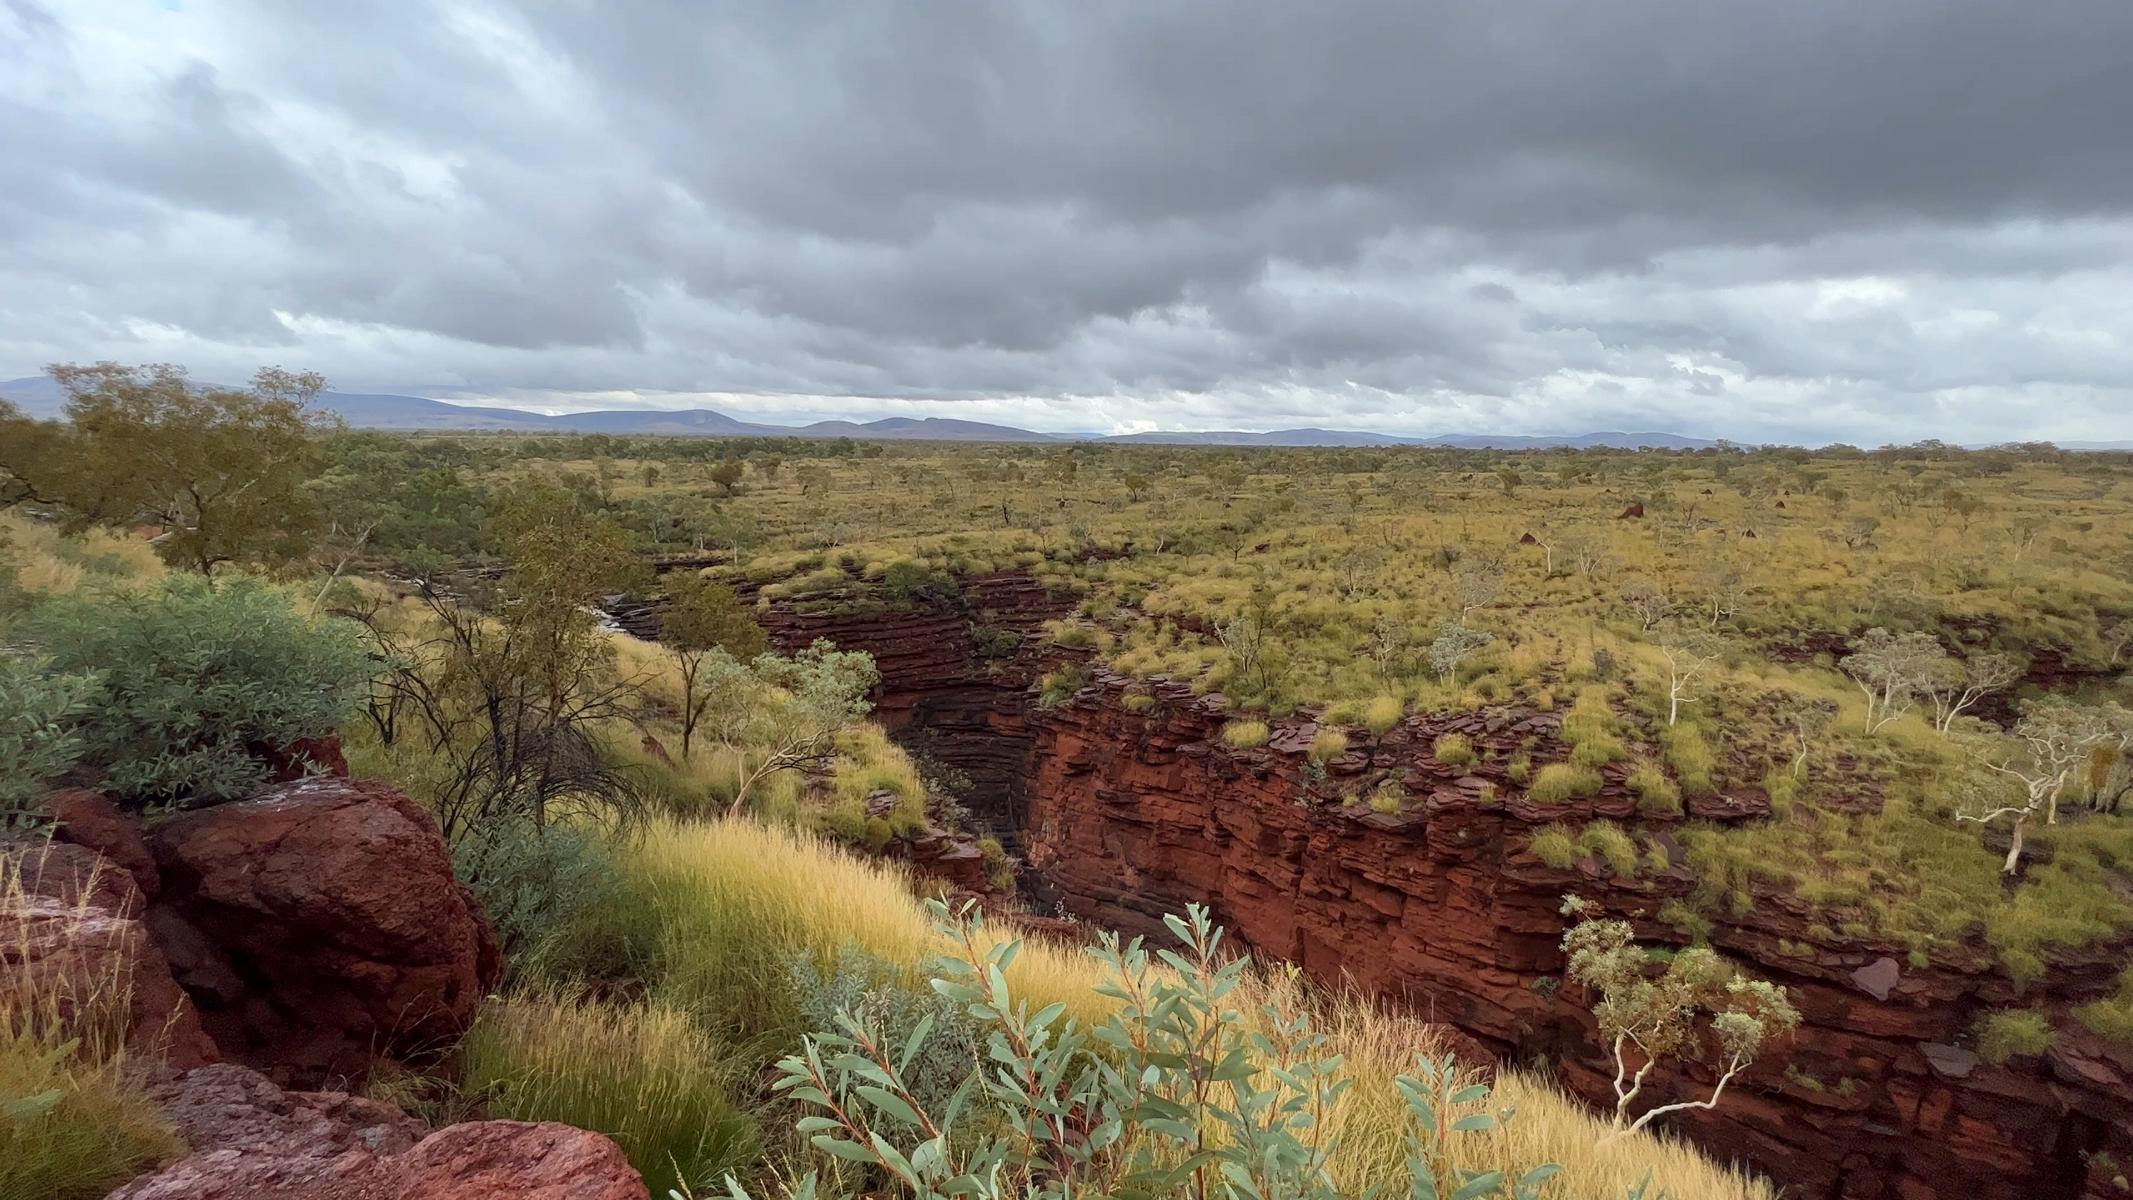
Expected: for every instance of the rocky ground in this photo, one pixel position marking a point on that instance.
(275, 952)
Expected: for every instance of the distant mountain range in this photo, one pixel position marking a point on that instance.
(39, 396)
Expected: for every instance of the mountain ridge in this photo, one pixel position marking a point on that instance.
(40, 396)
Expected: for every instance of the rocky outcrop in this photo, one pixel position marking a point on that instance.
(1439, 906)
(955, 679)
(72, 949)
(318, 926)
(250, 1140)
(1125, 815)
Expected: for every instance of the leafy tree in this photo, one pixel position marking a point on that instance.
(1954, 685)
(2053, 738)
(1891, 669)
(194, 682)
(784, 714)
(701, 616)
(1454, 642)
(727, 475)
(507, 700)
(1697, 1007)
(221, 470)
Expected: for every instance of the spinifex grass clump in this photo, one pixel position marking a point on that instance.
(643, 1074)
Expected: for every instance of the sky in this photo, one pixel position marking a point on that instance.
(1801, 221)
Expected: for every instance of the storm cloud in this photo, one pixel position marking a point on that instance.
(1801, 221)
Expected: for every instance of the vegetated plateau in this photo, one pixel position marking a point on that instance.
(1775, 798)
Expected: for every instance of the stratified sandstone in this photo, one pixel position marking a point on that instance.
(1124, 816)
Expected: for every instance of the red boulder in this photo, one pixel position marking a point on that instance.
(251, 1140)
(318, 926)
(71, 947)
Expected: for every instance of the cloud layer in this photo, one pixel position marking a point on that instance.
(1804, 221)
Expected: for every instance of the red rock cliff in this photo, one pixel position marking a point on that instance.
(1126, 816)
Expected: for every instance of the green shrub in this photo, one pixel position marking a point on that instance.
(1138, 702)
(860, 982)
(2111, 1017)
(1691, 758)
(1181, 1044)
(1058, 687)
(2010, 1033)
(641, 1073)
(38, 736)
(1607, 840)
(194, 678)
(1245, 735)
(1382, 714)
(533, 883)
(1558, 782)
(1520, 769)
(1387, 797)
(1328, 745)
(1453, 750)
(1599, 751)
(1655, 792)
(1554, 846)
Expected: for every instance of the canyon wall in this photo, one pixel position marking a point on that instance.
(1439, 907)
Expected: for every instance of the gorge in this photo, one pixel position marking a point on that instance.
(1123, 813)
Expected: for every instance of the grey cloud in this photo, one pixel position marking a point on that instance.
(1803, 220)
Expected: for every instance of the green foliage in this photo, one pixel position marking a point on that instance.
(39, 738)
(1245, 735)
(1160, 1096)
(1454, 750)
(193, 679)
(70, 1128)
(1556, 846)
(1327, 745)
(533, 882)
(1690, 756)
(1698, 1007)
(1656, 794)
(1382, 713)
(784, 714)
(1613, 846)
(2111, 1017)
(2010, 1033)
(1057, 687)
(1558, 783)
(643, 1074)
(879, 995)
(222, 471)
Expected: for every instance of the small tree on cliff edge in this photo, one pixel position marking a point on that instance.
(702, 616)
(1699, 1008)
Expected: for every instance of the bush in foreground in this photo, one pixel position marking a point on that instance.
(194, 679)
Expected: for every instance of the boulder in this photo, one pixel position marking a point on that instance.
(318, 926)
(250, 1140)
(517, 1160)
(71, 945)
(88, 819)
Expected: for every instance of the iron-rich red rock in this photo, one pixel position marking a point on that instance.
(319, 926)
(251, 1140)
(89, 819)
(71, 943)
(1124, 816)
(517, 1160)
